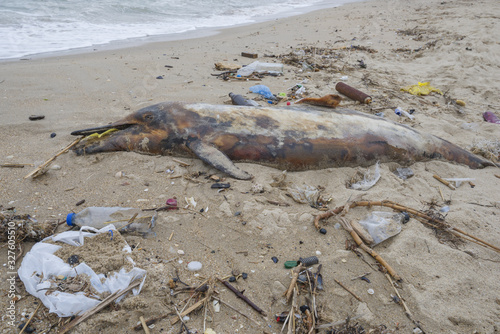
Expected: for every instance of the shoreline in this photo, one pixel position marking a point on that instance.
(446, 284)
(197, 33)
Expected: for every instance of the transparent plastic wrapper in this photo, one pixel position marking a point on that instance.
(40, 264)
(382, 225)
(369, 180)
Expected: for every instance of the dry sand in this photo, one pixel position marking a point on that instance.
(449, 288)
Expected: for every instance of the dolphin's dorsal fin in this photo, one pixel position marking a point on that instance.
(217, 159)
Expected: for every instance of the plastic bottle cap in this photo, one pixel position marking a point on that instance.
(69, 219)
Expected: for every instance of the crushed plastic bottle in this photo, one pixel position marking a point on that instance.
(121, 218)
(263, 90)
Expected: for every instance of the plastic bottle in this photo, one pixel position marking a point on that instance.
(241, 101)
(398, 111)
(263, 90)
(121, 218)
(257, 66)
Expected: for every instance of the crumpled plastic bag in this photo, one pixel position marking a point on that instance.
(422, 88)
(40, 264)
(369, 179)
(304, 194)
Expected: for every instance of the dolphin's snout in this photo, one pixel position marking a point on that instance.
(100, 129)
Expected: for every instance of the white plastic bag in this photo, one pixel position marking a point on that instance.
(40, 264)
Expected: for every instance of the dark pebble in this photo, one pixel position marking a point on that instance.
(36, 117)
(322, 231)
(243, 223)
(275, 259)
(52, 135)
(28, 329)
(406, 217)
(80, 202)
(73, 259)
(244, 275)
(304, 308)
(159, 77)
(232, 279)
(237, 213)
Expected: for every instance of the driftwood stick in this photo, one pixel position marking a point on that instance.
(38, 171)
(236, 310)
(9, 165)
(151, 321)
(443, 181)
(183, 324)
(144, 326)
(182, 163)
(240, 295)
(98, 307)
(407, 310)
(367, 249)
(189, 310)
(295, 276)
(347, 289)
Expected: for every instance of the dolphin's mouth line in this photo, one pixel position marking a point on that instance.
(101, 129)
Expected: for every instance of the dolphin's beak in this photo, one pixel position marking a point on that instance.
(101, 129)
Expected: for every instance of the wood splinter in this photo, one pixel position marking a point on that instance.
(347, 289)
(42, 168)
(240, 295)
(446, 183)
(295, 276)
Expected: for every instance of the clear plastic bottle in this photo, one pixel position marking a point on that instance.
(121, 218)
(257, 66)
(241, 101)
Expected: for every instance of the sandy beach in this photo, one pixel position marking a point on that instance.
(448, 285)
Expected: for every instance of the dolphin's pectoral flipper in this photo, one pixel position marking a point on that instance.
(217, 159)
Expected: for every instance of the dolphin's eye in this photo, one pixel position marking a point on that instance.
(148, 117)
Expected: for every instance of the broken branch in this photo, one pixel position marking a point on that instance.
(240, 295)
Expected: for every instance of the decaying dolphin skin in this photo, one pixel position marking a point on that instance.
(289, 138)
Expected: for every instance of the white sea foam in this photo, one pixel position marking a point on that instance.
(33, 26)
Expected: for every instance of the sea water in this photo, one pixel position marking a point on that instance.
(37, 26)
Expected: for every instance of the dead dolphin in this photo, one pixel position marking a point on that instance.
(292, 138)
